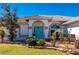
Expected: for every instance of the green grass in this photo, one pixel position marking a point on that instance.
(13, 49)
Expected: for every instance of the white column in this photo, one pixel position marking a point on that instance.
(30, 29)
(65, 30)
(46, 33)
(46, 30)
(30, 32)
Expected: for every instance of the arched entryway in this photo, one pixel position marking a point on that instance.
(55, 27)
(38, 30)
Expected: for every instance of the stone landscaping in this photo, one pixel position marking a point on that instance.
(70, 48)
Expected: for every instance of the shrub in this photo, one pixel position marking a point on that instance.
(31, 42)
(77, 44)
(41, 42)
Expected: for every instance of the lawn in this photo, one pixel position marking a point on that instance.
(14, 49)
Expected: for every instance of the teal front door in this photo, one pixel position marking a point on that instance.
(38, 31)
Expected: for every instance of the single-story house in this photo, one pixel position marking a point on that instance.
(42, 26)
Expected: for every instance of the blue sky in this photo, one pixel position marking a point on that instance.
(29, 9)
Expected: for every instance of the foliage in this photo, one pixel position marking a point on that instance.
(54, 38)
(10, 20)
(12, 34)
(69, 36)
(65, 35)
(61, 36)
(77, 44)
(41, 42)
(31, 42)
(2, 33)
(54, 35)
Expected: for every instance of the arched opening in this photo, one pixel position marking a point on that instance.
(38, 30)
(54, 27)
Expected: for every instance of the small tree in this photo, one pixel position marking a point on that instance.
(10, 20)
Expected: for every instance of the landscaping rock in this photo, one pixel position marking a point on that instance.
(48, 44)
(60, 46)
(61, 49)
(70, 46)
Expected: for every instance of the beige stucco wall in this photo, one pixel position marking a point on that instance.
(46, 27)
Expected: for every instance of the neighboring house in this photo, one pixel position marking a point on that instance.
(42, 26)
